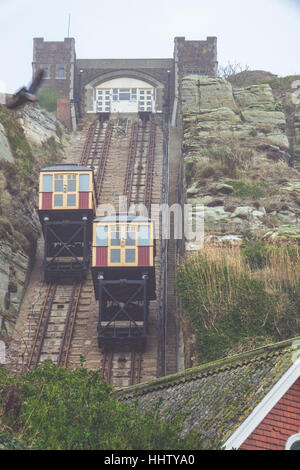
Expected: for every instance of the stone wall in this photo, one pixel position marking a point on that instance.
(64, 112)
(54, 55)
(197, 57)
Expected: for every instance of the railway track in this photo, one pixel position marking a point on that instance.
(55, 326)
(122, 153)
(124, 368)
(118, 367)
(96, 150)
(140, 167)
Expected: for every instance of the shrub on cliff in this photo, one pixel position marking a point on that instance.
(231, 299)
(48, 99)
(24, 162)
(231, 154)
(58, 408)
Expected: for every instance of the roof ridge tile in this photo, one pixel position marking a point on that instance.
(209, 369)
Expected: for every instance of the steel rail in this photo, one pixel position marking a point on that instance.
(139, 167)
(88, 144)
(136, 367)
(42, 325)
(130, 163)
(136, 170)
(96, 141)
(107, 359)
(150, 168)
(103, 158)
(66, 341)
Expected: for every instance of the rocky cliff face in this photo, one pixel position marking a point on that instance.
(29, 139)
(238, 147)
(241, 164)
(286, 91)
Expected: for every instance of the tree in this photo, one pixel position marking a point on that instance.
(48, 99)
(231, 69)
(55, 408)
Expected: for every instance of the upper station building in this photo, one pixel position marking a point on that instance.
(119, 85)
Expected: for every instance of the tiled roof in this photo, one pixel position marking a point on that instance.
(217, 397)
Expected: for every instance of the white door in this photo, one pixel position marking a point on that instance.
(124, 106)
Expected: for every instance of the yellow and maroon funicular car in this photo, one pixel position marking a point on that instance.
(124, 277)
(67, 206)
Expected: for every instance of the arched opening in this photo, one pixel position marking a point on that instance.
(124, 92)
(124, 95)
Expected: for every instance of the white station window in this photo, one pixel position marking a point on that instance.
(115, 96)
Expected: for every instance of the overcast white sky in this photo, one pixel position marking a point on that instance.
(263, 34)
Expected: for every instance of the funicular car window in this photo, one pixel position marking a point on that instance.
(144, 235)
(71, 183)
(130, 256)
(47, 183)
(102, 235)
(71, 200)
(115, 238)
(59, 184)
(130, 235)
(115, 256)
(58, 200)
(84, 182)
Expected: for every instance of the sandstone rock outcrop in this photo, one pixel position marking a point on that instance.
(237, 153)
(5, 151)
(29, 138)
(38, 124)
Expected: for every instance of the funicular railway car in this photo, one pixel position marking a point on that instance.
(124, 278)
(67, 206)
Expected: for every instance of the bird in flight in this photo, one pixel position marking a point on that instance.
(25, 95)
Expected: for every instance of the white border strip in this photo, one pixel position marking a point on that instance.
(292, 440)
(264, 407)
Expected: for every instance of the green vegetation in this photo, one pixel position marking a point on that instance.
(56, 408)
(232, 155)
(17, 186)
(248, 189)
(49, 153)
(48, 99)
(227, 158)
(189, 171)
(259, 256)
(24, 162)
(240, 299)
(256, 256)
